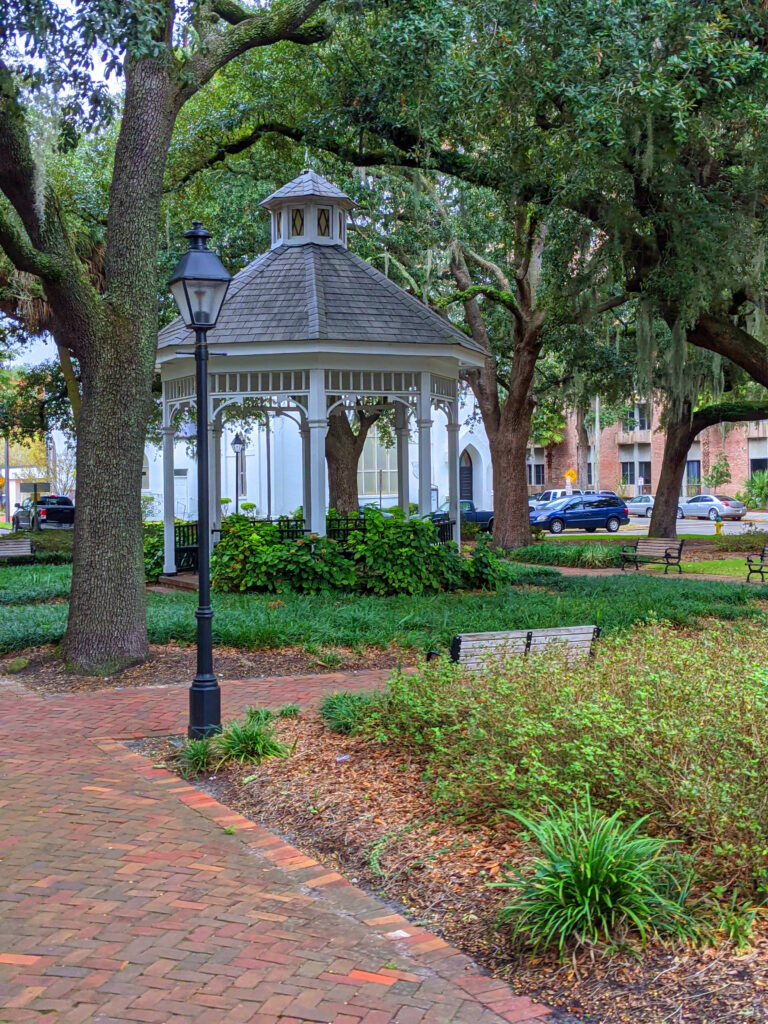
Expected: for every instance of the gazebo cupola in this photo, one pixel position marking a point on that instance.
(308, 210)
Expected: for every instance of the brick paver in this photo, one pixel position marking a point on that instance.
(124, 898)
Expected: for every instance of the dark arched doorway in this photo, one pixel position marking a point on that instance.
(466, 492)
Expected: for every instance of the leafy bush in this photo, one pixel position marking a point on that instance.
(755, 493)
(657, 723)
(388, 556)
(594, 878)
(344, 711)
(583, 556)
(154, 550)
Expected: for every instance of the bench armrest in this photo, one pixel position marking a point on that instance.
(674, 552)
(755, 556)
(627, 548)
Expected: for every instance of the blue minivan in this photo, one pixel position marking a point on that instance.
(582, 512)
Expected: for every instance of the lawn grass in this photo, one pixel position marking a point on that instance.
(24, 584)
(733, 567)
(421, 623)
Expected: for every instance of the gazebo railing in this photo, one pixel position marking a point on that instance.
(445, 530)
(185, 543)
(340, 527)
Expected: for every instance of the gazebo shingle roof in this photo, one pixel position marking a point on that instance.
(320, 292)
(308, 185)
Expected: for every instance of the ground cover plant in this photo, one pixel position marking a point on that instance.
(23, 584)
(421, 623)
(584, 556)
(666, 723)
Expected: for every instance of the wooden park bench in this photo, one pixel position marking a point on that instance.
(16, 548)
(471, 650)
(758, 564)
(664, 551)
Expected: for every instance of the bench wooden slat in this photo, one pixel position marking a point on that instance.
(15, 548)
(473, 650)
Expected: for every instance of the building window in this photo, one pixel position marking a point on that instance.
(693, 475)
(377, 469)
(538, 474)
(628, 472)
(644, 473)
(297, 223)
(323, 223)
(589, 473)
(757, 465)
(643, 417)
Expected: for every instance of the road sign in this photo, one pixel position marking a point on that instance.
(32, 486)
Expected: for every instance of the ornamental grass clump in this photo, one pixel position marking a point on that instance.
(345, 711)
(248, 741)
(595, 880)
(194, 757)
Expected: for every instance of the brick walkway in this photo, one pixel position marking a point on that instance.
(123, 898)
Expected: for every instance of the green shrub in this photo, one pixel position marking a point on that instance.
(247, 741)
(194, 757)
(657, 723)
(755, 493)
(344, 711)
(750, 540)
(583, 556)
(594, 879)
(154, 550)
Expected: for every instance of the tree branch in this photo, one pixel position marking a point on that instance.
(24, 256)
(489, 267)
(286, 22)
(719, 334)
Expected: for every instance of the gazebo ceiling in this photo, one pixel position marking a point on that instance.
(306, 290)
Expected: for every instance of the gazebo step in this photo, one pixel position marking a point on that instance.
(184, 581)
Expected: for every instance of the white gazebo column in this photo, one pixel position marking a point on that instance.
(169, 503)
(401, 434)
(306, 487)
(318, 428)
(214, 476)
(424, 423)
(453, 473)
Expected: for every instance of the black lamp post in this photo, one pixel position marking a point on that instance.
(238, 447)
(199, 285)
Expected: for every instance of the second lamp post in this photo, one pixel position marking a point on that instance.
(199, 285)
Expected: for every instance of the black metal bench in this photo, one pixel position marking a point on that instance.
(21, 547)
(472, 650)
(757, 565)
(666, 551)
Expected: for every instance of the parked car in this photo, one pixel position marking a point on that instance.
(710, 506)
(547, 497)
(469, 514)
(642, 505)
(588, 512)
(52, 510)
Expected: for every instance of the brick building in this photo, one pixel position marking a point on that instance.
(630, 455)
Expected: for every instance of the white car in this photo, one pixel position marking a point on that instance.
(710, 506)
(642, 505)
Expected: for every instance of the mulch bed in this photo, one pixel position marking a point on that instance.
(365, 810)
(175, 664)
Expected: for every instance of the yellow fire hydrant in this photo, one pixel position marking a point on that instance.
(718, 526)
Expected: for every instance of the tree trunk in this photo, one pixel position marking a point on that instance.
(343, 448)
(107, 627)
(582, 449)
(680, 435)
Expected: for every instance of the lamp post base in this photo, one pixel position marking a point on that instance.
(204, 708)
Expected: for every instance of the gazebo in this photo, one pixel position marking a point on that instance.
(309, 326)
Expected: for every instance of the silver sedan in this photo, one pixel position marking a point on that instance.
(710, 506)
(642, 505)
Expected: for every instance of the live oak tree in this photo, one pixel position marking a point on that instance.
(166, 54)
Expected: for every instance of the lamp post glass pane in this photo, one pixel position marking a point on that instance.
(199, 301)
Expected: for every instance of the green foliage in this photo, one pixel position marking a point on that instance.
(658, 723)
(594, 878)
(288, 711)
(194, 757)
(584, 556)
(344, 711)
(251, 740)
(24, 584)
(755, 493)
(719, 473)
(389, 556)
(258, 716)
(154, 550)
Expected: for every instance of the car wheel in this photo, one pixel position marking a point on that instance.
(648, 512)
(680, 514)
(556, 526)
(712, 514)
(612, 524)
(15, 525)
